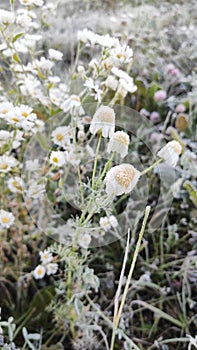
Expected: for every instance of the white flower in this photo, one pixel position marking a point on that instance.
(119, 143)
(106, 40)
(192, 342)
(7, 163)
(57, 158)
(5, 108)
(6, 17)
(96, 91)
(43, 63)
(39, 272)
(55, 55)
(71, 157)
(122, 54)
(51, 268)
(61, 135)
(113, 221)
(32, 165)
(121, 179)
(105, 223)
(104, 120)
(6, 218)
(84, 240)
(170, 153)
(46, 256)
(4, 137)
(73, 105)
(111, 82)
(15, 184)
(86, 35)
(126, 83)
(35, 191)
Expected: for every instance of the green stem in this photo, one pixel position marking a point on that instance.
(95, 161)
(106, 168)
(117, 318)
(152, 166)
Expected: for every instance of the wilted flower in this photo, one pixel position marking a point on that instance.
(160, 95)
(170, 153)
(15, 184)
(39, 272)
(119, 143)
(57, 158)
(121, 179)
(181, 122)
(51, 268)
(103, 120)
(6, 218)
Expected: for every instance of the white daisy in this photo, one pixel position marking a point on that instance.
(84, 240)
(61, 135)
(7, 163)
(119, 143)
(170, 153)
(103, 120)
(6, 218)
(39, 272)
(6, 17)
(121, 179)
(46, 256)
(57, 158)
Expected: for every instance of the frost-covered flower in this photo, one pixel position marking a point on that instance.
(61, 135)
(84, 240)
(160, 95)
(15, 184)
(121, 179)
(39, 272)
(55, 55)
(105, 223)
(119, 143)
(170, 153)
(51, 268)
(103, 120)
(57, 158)
(6, 17)
(7, 163)
(113, 221)
(6, 218)
(46, 256)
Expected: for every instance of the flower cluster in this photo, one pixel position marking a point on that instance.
(47, 265)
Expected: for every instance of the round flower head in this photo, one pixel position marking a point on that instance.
(105, 223)
(39, 272)
(160, 95)
(15, 184)
(103, 120)
(57, 158)
(170, 153)
(6, 218)
(46, 256)
(84, 240)
(119, 143)
(51, 268)
(121, 179)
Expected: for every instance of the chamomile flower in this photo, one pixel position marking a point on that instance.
(6, 218)
(15, 184)
(39, 272)
(57, 158)
(61, 135)
(46, 256)
(104, 121)
(7, 163)
(121, 179)
(119, 143)
(170, 153)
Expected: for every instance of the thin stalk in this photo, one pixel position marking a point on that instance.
(96, 159)
(152, 166)
(117, 318)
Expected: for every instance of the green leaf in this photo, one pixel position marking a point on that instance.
(16, 58)
(17, 36)
(192, 190)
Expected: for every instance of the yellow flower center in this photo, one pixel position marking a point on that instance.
(125, 176)
(59, 137)
(15, 119)
(5, 220)
(3, 166)
(25, 114)
(16, 185)
(55, 159)
(4, 111)
(75, 98)
(121, 138)
(177, 147)
(39, 271)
